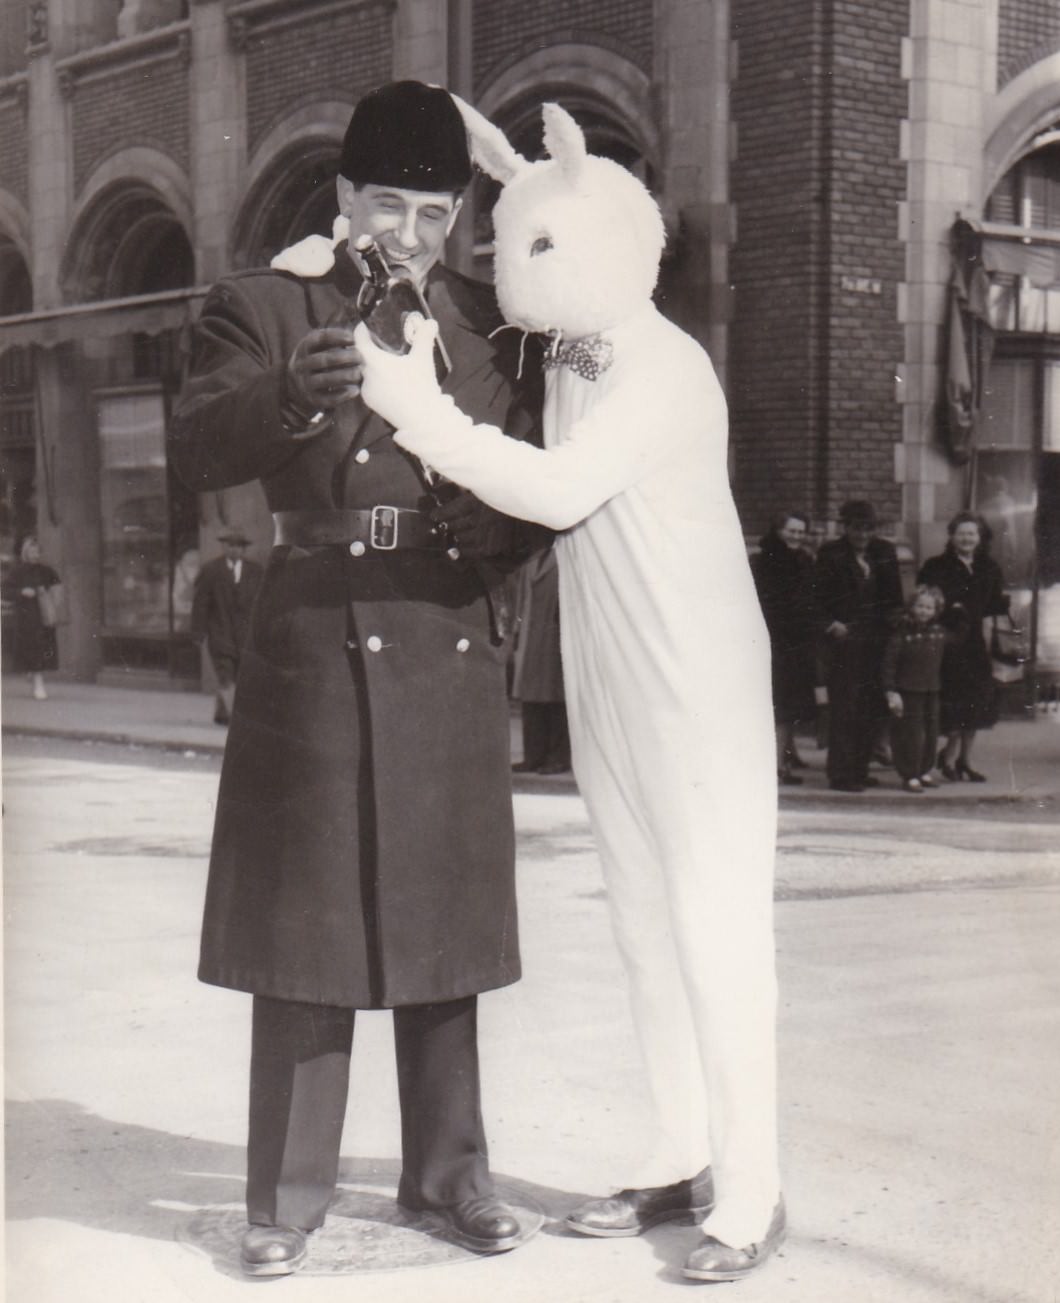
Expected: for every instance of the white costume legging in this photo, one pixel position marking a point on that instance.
(693, 925)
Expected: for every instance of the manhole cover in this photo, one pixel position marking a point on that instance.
(365, 1230)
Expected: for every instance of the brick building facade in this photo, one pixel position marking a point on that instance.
(815, 160)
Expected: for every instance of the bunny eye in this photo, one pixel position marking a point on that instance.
(541, 245)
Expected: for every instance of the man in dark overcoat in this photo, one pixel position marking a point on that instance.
(363, 852)
(225, 589)
(858, 589)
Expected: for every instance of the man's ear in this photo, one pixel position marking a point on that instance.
(457, 205)
(344, 188)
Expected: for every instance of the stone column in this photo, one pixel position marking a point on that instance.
(218, 138)
(949, 60)
(693, 74)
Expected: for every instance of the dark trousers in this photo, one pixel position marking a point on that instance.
(299, 1076)
(915, 737)
(854, 708)
(546, 740)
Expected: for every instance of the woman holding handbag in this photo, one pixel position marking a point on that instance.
(35, 591)
(971, 580)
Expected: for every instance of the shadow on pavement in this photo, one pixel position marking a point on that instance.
(66, 1163)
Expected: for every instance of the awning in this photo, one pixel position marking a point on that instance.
(143, 315)
(1040, 264)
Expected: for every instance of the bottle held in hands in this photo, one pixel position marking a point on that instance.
(389, 302)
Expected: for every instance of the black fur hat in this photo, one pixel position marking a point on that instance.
(407, 134)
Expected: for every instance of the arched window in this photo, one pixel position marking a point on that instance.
(294, 199)
(521, 123)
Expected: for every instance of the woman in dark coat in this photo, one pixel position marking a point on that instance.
(783, 575)
(969, 579)
(33, 588)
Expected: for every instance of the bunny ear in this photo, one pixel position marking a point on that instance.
(564, 140)
(490, 147)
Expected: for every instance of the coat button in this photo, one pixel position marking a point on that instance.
(351, 644)
(453, 553)
(357, 548)
(463, 645)
(361, 456)
(374, 644)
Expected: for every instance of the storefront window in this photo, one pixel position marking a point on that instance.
(135, 514)
(1048, 530)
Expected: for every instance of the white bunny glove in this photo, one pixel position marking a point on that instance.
(403, 387)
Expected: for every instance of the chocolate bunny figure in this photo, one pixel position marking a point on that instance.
(666, 664)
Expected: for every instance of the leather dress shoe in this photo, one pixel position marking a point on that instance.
(272, 1250)
(483, 1224)
(631, 1212)
(714, 1260)
(845, 785)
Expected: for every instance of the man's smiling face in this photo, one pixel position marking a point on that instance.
(411, 226)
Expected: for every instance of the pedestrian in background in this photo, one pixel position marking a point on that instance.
(35, 592)
(858, 590)
(783, 575)
(971, 581)
(538, 681)
(225, 590)
(912, 661)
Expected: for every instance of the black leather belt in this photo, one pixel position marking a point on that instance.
(379, 529)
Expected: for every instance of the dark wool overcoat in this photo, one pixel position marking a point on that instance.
(784, 581)
(969, 694)
(220, 611)
(363, 851)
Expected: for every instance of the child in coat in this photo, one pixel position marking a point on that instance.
(912, 662)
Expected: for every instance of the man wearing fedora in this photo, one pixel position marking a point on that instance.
(363, 852)
(225, 589)
(858, 589)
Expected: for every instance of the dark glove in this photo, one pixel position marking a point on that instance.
(477, 530)
(323, 371)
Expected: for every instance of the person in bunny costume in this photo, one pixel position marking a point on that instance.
(666, 665)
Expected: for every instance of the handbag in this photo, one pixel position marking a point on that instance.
(46, 605)
(1009, 651)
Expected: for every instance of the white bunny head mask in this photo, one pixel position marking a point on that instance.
(577, 238)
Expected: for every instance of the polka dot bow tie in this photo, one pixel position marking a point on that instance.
(588, 358)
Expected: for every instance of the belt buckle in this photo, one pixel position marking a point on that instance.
(384, 531)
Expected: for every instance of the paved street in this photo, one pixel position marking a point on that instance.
(920, 1043)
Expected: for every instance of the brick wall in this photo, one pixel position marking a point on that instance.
(14, 174)
(816, 183)
(142, 105)
(506, 30)
(1027, 31)
(333, 56)
(776, 391)
(870, 98)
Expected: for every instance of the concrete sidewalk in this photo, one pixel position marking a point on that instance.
(1020, 756)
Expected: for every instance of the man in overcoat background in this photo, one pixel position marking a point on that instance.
(858, 588)
(225, 589)
(363, 852)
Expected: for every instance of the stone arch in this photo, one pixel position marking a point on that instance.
(128, 235)
(128, 242)
(289, 190)
(1027, 106)
(609, 96)
(579, 76)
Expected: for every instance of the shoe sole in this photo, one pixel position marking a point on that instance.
(682, 1216)
(719, 1276)
(284, 1268)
